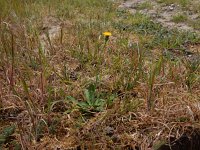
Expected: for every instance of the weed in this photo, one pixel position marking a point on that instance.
(144, 5)
(179, 18)
(92, 102)
(6, 133)
(155, 70)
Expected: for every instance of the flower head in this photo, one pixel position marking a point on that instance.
(107, 34)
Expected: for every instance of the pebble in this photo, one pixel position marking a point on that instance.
(109, 131)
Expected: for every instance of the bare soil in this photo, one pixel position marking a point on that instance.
(165, 13)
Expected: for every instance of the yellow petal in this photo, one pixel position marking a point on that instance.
(107, 34)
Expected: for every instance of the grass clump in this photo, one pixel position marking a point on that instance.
(179, 18)
(195, 24)
(144, 5)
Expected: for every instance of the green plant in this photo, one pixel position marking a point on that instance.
(144, 5)
(192, 75)
(195, 24)
(155, 70)
(184, 3)
(179, 18)
(92, 103)
(5, 134)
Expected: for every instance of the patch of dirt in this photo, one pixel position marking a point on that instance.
(171, 15)
(51, 29)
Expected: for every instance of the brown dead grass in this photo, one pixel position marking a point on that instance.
(126, 124)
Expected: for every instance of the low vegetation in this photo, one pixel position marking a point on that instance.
(179, 18)
(135, 86)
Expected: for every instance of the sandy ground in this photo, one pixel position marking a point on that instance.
(165, 13)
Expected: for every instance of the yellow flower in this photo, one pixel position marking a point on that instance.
(107, 34)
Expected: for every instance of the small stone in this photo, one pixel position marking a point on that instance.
(171, 8)
(172, 5)
(109, 131)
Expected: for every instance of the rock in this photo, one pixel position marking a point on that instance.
(109, 131)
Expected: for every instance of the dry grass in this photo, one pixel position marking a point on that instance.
(138, 89)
